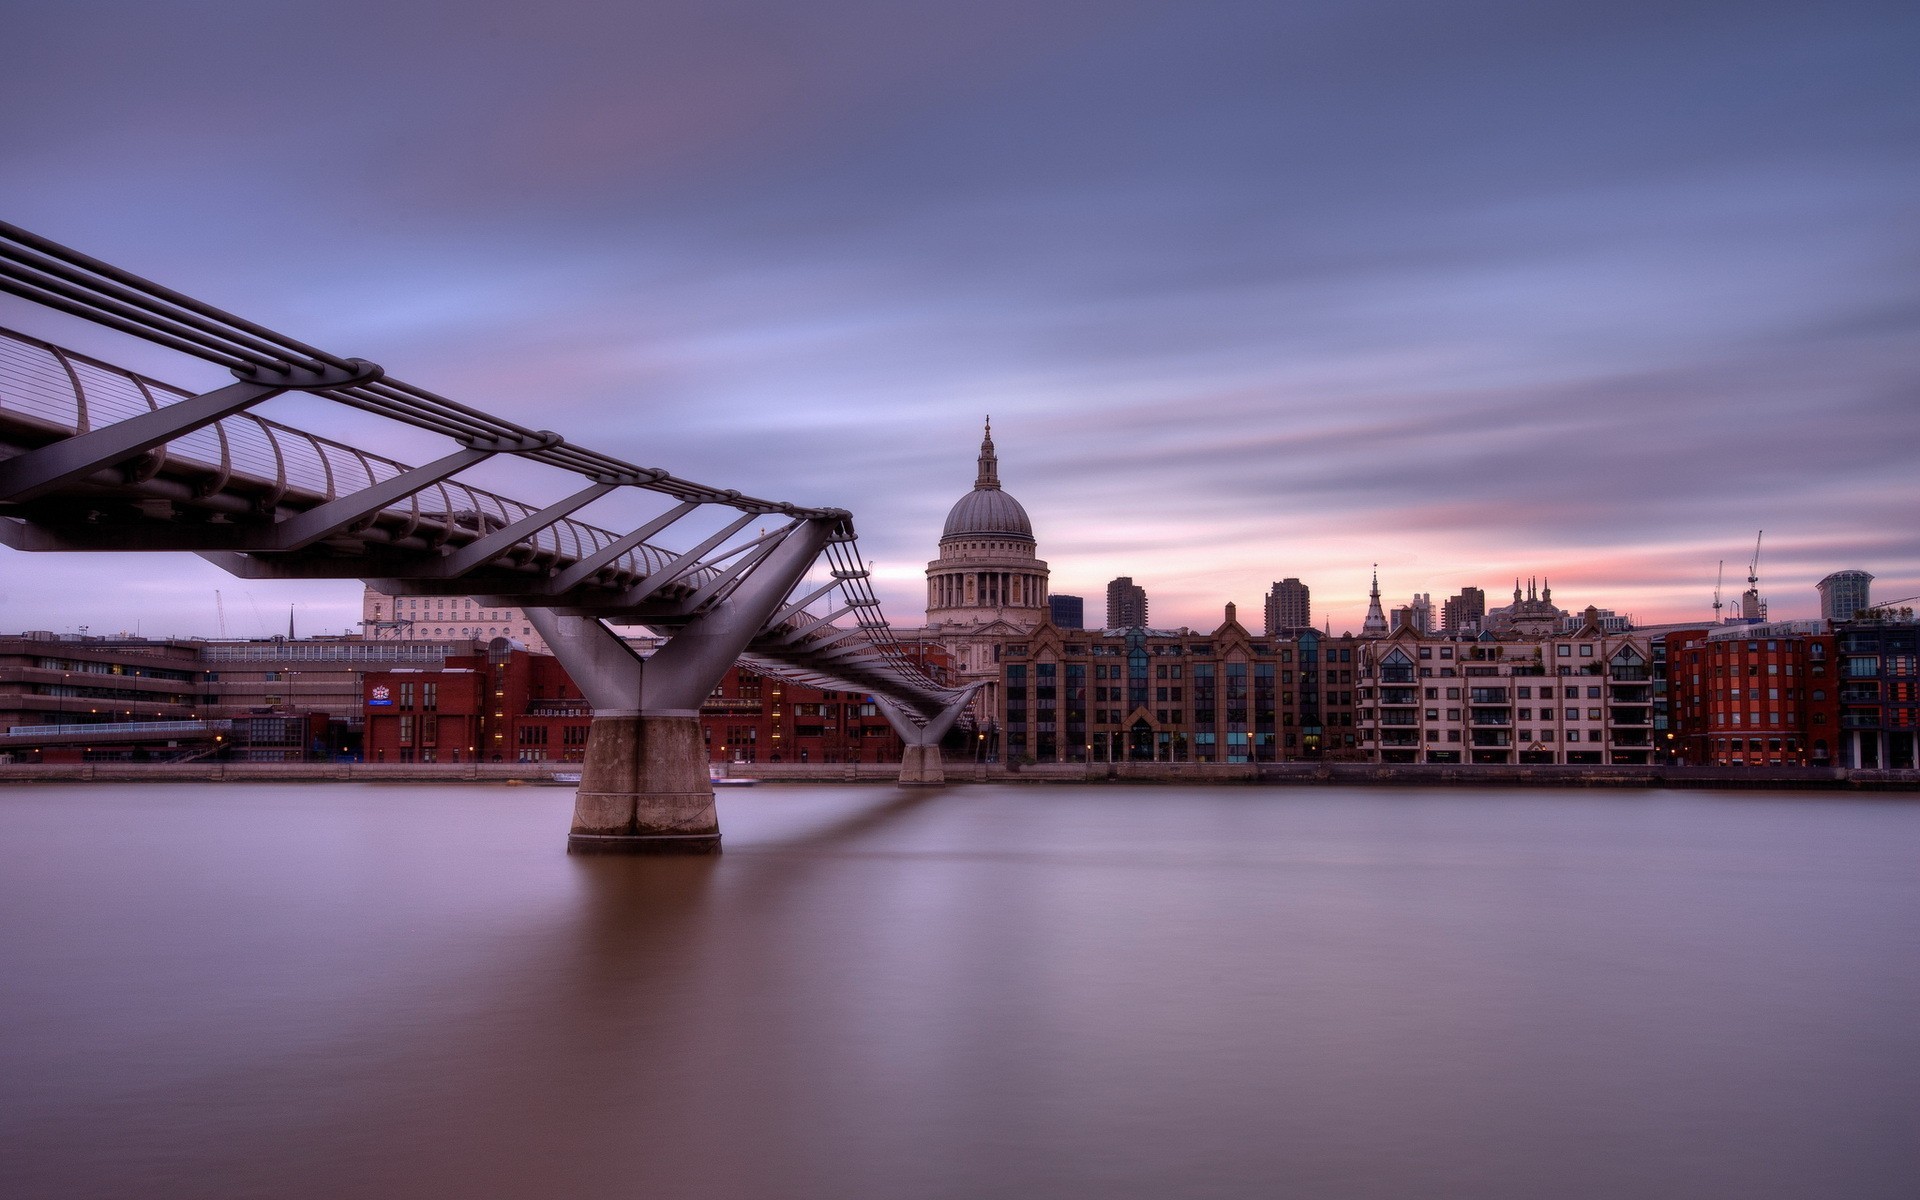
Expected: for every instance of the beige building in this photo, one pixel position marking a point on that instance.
(420, 618)
(1579, 698)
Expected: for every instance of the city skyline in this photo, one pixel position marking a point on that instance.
(1249, 294)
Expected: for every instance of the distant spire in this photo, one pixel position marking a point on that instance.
(989, 476)
(1376, 622)
(1546, 593)
(1516, 589)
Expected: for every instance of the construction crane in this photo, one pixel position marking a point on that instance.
(1718, 578)
(1752, 608)
(220, 611)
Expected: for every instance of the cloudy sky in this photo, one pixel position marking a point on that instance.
(1469, 290)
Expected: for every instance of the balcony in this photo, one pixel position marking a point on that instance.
(1869, 719)
(1860, 693)
(1631, 695)
(1630, 716)
(1632, 737)
(1406, 737)
(1490, 716)
(1399, 696)
(1487, 695)
(1492, 737)
(1627, 674)
(1394, 716)
(1396, 674)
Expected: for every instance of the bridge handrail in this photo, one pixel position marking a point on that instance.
(272, 454)
(58, 277)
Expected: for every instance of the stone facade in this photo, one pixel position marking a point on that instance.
(988, 582)
(1173, 695)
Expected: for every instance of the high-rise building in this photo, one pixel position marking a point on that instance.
(1844, 593)
(1417, 616)
(1463, 611)
(1067, 612)
(1126, 604)
(1289, 608)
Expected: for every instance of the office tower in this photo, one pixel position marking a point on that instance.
(1289, 608)
(1417, 616)
(1843, 594)
(1126, 604)
(1068, 612)
(1463, 611)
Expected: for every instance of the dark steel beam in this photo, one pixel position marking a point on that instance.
(686, 562)
(493, 545)
(607, 555)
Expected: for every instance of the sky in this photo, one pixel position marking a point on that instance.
(1471, 290)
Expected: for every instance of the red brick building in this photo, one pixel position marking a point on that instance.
(1755, 695)
(512, 706)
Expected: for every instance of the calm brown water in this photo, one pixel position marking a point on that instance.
(359, 990)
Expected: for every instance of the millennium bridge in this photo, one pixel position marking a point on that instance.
(96, 457)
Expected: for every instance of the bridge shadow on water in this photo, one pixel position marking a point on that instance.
(668, 1037)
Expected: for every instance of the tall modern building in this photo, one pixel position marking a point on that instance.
(1067, 612)
(1463, 611)
(1844, 593)
(1289, 608)
(1417, 616)
(1126, 604)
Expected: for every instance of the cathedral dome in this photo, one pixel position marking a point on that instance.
(987, 509)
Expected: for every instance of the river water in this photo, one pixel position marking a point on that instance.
(1073, 991)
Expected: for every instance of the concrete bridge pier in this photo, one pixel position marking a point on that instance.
(644, 787)
(921, 764)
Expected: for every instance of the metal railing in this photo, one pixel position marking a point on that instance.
(71, 394)
(118, 728)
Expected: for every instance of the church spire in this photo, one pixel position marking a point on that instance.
(989, 476)
(1376, 622)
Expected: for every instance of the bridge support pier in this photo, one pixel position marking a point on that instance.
(644, 787)
(921, 764)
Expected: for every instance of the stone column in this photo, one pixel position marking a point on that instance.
(922, 765)
(920, 761)
(644, 789)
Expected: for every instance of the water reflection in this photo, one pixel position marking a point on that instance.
(334, 991)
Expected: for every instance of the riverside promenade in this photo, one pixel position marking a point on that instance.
(960, 773)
